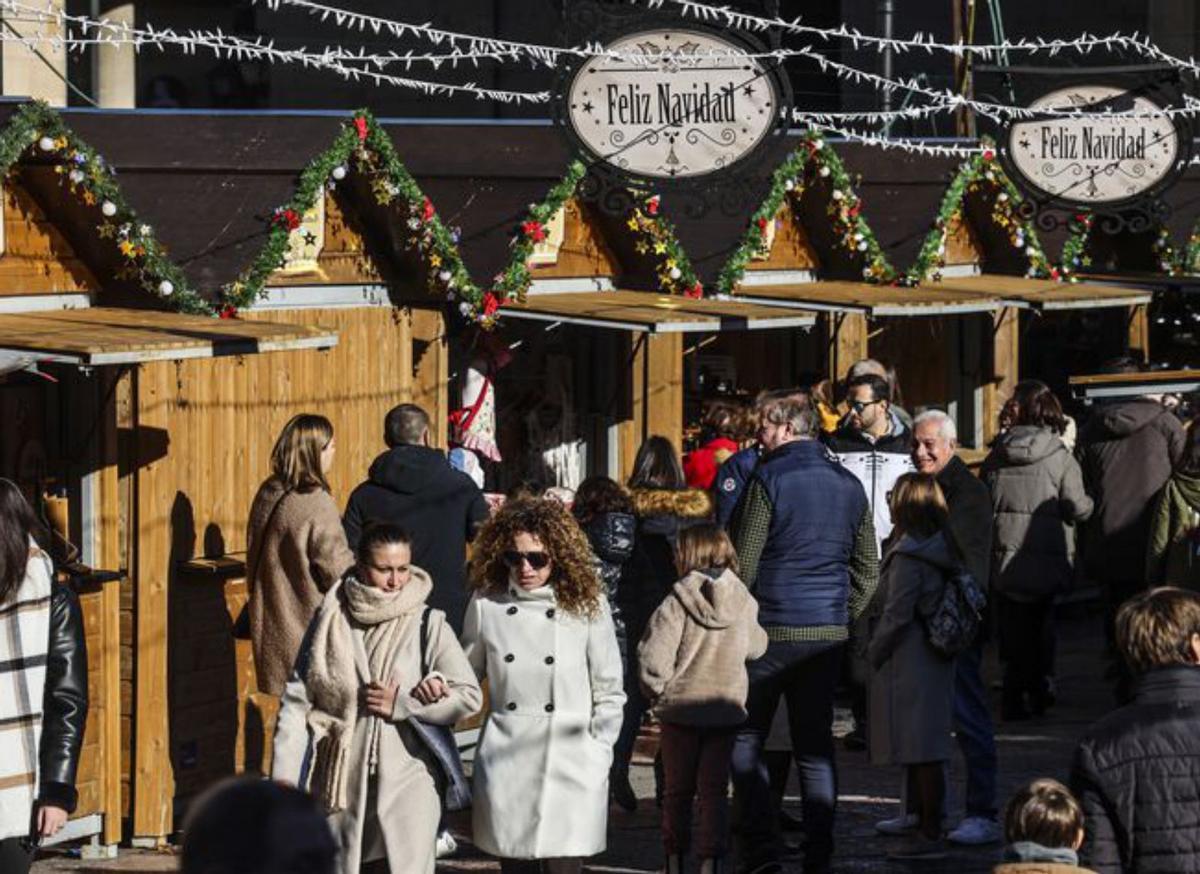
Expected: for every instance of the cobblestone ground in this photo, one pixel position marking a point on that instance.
(1040, 747)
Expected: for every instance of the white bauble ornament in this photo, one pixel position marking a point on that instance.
(1002, 197)
(75, 176)
(824, 171)
(675, 273)
(46, 144)
(445, 275)
(166, 288)
(465, 309)
(108, 208)
(339, 172)
(862, 247)
(837, 194)
(789, 185)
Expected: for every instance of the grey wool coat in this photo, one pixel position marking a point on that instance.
(395, 812)
(1038, 498)
(912, 686)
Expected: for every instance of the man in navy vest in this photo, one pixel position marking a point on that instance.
(806, 546)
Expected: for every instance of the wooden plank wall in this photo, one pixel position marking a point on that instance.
(657, 381)
(37, 259)
(205, 432)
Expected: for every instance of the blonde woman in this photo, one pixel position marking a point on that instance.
(374, 659)
(296, 546)
(540, 629)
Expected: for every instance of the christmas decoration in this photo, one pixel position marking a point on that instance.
(362, 146)
(812, 167)
(980, 177)
(1077, 253)
(86, 176)
(1191, 253)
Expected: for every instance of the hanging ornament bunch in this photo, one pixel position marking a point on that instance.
(1191, 252)
(89, 179)
(361, 146)
(1168, 259)
(1075, 257)
(814, 168)
(657, 241)
(981, 177)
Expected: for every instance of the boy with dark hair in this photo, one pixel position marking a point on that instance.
(1043, 827)
(1136, 771)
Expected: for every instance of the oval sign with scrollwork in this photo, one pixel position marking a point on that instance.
(1095, 161)
(672, 104)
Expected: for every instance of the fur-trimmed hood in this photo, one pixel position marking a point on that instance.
(683, 503)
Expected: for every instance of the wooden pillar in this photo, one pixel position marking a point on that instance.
(154, 492)
(1139, 330)
(116, 66)
(430, 365)
(109, 557)
(846, 341)
(656, 380)
(1006, 340)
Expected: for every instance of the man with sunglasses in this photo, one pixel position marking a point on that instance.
(874, 445)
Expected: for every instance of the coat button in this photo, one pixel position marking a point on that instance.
(549, 708)
(549, 660)
(512, 611)
(511, 705)
(509, 657)
(550, 613)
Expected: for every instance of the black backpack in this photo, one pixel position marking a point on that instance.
(953, 624)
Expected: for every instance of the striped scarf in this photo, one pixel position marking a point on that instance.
(24, 642)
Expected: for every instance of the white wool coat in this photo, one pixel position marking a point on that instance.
(556, 702)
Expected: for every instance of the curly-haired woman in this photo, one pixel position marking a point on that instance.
(539, 628)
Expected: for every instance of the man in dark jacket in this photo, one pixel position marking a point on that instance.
(935, 437)
(1137, 771)
(807, 551)
(1127, 451)
(414, 486)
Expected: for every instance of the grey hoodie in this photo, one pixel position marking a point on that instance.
(692, 658)
(1037, 497)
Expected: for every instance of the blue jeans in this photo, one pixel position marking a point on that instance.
(976, 735)
(804, 675)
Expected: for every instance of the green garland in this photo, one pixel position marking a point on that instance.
(363, 146)
(813, 160)
(656, 238)
(1191, 253)
(978, 174)
(1077, 256)
(87, 176)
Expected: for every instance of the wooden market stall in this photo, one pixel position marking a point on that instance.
(335, 255)
(82, 440)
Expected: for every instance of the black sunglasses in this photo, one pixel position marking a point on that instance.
(513, 558)
(859, 406)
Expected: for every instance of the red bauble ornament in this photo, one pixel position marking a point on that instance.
(762, 224)
(360, 126)
(427, 210)
(229, 311)
(287, 218)
(988, 154)
(491, 303)
(652, 206)
(695, 292)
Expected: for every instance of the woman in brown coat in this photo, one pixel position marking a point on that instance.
(296, 547)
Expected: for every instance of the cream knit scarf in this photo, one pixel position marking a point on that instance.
(387, 622)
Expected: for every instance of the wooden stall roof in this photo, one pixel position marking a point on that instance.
(873, 300)
(100, 335)
(1106, 386)
(1046, 294)
(654, 313)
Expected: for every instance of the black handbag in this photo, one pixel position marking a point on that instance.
(440, 741)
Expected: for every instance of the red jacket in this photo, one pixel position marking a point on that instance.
(700, 466)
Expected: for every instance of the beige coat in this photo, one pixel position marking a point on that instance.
(692, 658)
(556, 697)
(396, 810)
(295, 561)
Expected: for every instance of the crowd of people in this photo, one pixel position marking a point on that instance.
(729, 597)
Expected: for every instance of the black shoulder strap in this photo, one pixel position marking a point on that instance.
(424, 641)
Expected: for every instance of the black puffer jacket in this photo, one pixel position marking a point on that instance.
(611, 537)
(1137, 775)
(65, 706)
(650, 572)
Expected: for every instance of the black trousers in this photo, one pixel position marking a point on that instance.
(1027, 645)
(570, 865)
(14, 858)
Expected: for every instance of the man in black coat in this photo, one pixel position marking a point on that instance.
(1137, 771)
(935, 438)
(414, 486)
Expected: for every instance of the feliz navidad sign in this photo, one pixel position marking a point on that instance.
(672, 104)
(1094, 160)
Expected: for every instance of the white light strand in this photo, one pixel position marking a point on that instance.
(226, 46)
(734, 18)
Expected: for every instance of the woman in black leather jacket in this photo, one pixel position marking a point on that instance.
(39, 792)
(604, 512)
